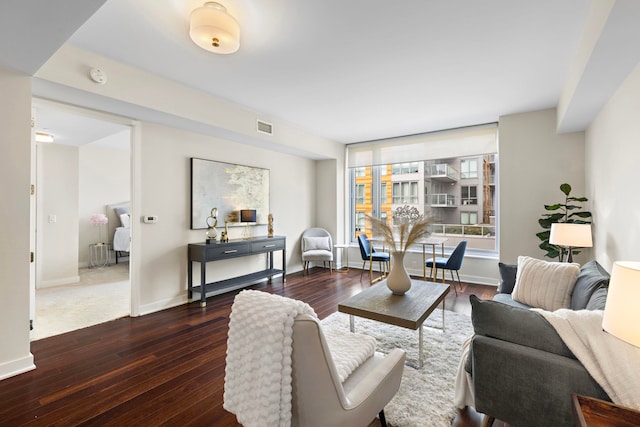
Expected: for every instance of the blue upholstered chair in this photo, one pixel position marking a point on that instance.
(452, 263)
(369, 253)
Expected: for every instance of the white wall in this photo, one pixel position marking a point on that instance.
(533, 162)
(15, 179)
(104, 179)
(613, 167)
(57, 230)
(164, 190)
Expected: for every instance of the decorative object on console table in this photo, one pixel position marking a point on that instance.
(569, 236)
(212, 222)
(270, 226)
(621, 314)
(247, 216)
(592, 412)
(408, 227)
(99, 220)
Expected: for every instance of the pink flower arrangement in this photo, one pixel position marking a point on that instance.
(99, 219)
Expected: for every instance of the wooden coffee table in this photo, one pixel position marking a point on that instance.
(408, 311)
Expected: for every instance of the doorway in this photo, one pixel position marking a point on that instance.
(81, 172)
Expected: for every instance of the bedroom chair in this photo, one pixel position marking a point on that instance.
(316, 245)
(452, 263)
(320, 399)
(369, 253)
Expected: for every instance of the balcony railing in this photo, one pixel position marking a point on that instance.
(442, 200)
(443, 170)
(464, 230)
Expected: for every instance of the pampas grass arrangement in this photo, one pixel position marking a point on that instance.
(409, 227)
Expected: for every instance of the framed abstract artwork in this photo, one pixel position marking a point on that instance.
(228, 187)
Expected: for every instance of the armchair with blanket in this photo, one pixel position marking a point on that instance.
(522, 371)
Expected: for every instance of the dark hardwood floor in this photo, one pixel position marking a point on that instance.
(165, 368)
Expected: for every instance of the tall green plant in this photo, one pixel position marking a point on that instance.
(569, 211)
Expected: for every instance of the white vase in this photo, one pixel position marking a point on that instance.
(398, 280)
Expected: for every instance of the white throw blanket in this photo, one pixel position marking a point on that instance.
(257, 383)
(613, 363)
(348, 350)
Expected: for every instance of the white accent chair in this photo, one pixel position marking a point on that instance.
(318, 397)
(317, 245)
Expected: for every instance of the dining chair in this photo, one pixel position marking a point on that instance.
(369, 253)
(452, 263)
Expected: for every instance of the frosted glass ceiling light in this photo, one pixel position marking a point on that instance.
(213, 29)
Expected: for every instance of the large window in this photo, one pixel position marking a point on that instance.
(443, 196)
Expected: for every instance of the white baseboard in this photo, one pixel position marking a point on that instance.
(17, 367)
(57, 282)
(162, 305)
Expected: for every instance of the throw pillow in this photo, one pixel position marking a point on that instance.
(592, 277)
(508, 276)
(316, 243)
(544, 284)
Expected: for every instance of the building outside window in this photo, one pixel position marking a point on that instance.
(384, 199)
(360, 222)
(360, 194)
(404, 168)
(468, 218)
(469, 168)
(405, 193)
(469, 195)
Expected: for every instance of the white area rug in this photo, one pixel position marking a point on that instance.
(101, 296)
(425, 398)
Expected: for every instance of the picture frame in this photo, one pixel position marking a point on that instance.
(230, 188)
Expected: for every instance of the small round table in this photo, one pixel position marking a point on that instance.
(99, 255)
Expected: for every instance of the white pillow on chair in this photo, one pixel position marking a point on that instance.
(316, 243)
(543, 284)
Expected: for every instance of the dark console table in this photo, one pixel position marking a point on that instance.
(203, 253)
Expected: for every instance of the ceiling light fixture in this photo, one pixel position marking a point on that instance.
(44, 137)
(213, 29)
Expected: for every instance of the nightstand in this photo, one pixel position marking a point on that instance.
(591, 412)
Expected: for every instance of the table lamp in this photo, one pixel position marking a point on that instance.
(621, 314)
(570, 236)
(247, 216)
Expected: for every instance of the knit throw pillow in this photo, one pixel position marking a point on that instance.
(543, 284)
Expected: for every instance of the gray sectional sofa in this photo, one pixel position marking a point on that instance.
(522, 371)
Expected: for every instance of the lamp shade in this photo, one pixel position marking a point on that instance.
(213, 29)
(571, 235)
(248, 215)
(621, 314)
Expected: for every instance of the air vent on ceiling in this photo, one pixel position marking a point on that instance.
(264, 127)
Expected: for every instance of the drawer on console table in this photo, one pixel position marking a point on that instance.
(218, 251)
(267, 245)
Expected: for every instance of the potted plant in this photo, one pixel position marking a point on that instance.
(569, 212)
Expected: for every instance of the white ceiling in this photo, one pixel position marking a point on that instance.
(350, 70)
